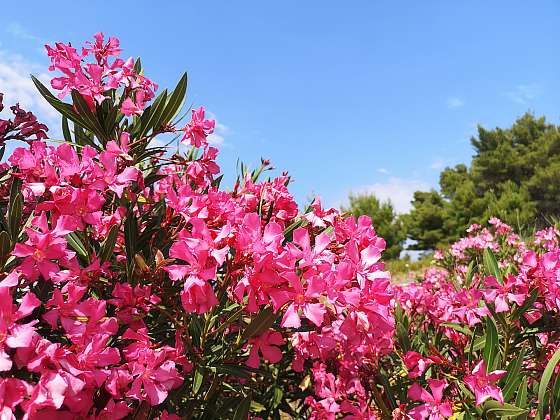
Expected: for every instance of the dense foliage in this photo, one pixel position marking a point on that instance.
(514, 175)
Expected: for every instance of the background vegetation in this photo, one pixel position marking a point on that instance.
(514, 175)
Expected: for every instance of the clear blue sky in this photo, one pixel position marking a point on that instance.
(346, 96)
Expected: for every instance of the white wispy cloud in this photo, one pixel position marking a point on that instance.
(399, 191)
(17, 86)
(383, 171)
(525, 93)
(215, 139)
(218, 137)
(19, 31)
(454, 102)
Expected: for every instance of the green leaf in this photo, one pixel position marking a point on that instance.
(521, 397)
(555, 398)
(277, 398)
(242, 412)
(257, 407)
(152, 115)
(458, 327)
(82, 138)
(512, 379)
(62, 107)
(509, 410)
(77, 245)
(15, 210)
(234, 370)
(175, 101)
(66, 130)
(5, 244)
(197, 380)
(138, 66)
(261, 323)
(88, 117)
(545, 379)
(491, 265)
(108, 246)
(491, 348)
(130, 239)
(470, 274)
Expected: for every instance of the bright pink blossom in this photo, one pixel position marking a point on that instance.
(434, 407)
(198, 128)
(266, 345)
(483, 384)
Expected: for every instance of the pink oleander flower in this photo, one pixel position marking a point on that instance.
(112, 177)
(512, 290)
(154, 370)
(198, 128)
(434, 407)
(94, 79)
(102, 50)
(154, 377)
(198, 296)
(43, 246)
(265, 345)
(483, 384)
(416, 364)
(14, 335)
(23, 127)
(129, 108)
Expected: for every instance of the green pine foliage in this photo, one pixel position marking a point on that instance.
(514, 175)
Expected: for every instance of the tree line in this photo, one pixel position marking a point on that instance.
(514, 175)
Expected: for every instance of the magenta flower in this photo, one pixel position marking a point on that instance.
(198, 296)
(43, 246)
(265, 344)
(483, 384)
(512, 290)
(93, 79)
(434, 407)
(12, 334)
(198, 128)
(416, 364)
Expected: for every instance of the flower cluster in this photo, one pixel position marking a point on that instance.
(135, 286)
(481, 326)
(24, 126)
(97, 77)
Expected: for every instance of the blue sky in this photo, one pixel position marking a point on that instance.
(346, 96)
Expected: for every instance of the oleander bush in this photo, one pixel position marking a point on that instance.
(132, 285)
(478, 337)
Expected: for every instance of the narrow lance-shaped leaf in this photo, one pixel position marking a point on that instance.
(175, 101)
(5, 245)
(66, 130)
(242, 412)
(261, 323)
(89, 118)
(491, 265)
(15, 209)
(130, 238)
(512, 379)
(491, 348)
(545, 379)
(108, 246)
(77, 245)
